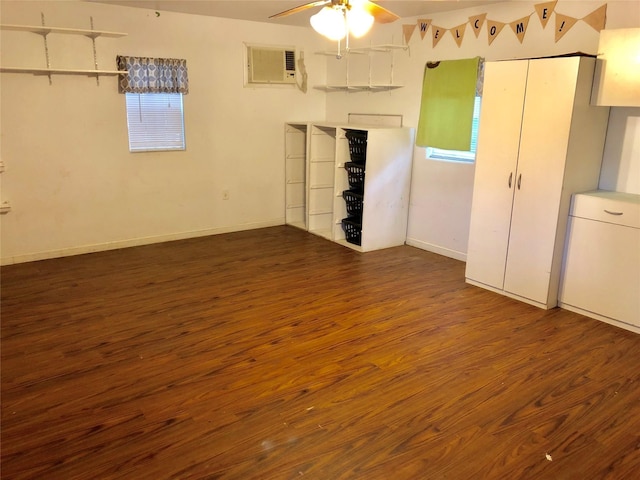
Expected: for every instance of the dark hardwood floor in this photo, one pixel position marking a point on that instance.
(274, 354)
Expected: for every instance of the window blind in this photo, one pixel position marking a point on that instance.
(155, 121)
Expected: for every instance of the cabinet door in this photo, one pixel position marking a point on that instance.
(546, 126)
(602, 272)
(496, 160)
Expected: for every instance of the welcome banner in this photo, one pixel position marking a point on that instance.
(544, 11)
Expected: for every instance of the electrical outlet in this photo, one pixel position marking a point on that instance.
(225, 194)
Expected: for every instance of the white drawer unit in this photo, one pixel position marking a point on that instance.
(601, 276)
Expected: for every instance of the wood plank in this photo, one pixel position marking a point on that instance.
(277, 354)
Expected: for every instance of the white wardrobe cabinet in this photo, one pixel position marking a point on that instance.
(539, 142)
(317, 204)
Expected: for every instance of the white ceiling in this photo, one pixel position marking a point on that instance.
(260, 10)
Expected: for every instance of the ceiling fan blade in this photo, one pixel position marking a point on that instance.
(382, 15)
(300, 8)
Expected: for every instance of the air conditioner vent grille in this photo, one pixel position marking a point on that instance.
(290, 60)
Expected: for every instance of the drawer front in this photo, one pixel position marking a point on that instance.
(611, 207)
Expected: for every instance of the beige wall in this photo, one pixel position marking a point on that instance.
(72, 183)
(441, 192)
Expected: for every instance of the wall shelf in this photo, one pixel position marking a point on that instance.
(43, 30)
(363, 50)
(388, 47)
(61, 71)
(330, 88)
(347, 86)
(48, 70)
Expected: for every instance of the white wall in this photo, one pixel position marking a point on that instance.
(72, 183)
(441, 192)
(75, 188)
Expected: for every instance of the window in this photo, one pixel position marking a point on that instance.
(155, 121)
(153, 89)
(455, 155)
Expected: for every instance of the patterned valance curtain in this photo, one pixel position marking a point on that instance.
(153, 75)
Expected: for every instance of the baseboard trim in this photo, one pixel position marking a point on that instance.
(134, 242)
(602, 318)
(436, 249)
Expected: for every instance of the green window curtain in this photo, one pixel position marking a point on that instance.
(446, 111)
(153, 75)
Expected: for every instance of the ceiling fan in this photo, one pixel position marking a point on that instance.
(340, 18)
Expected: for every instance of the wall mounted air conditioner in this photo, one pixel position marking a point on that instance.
(271, 65)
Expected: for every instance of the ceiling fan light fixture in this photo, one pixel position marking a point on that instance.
(330, 22)
(359, 21)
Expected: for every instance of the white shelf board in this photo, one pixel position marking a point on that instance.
(42, 30)
(353, 246)
(379, 48)
(362, 50)
(377, 86)
(60, 71)
(301, 225)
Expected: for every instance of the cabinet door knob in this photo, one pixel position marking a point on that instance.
(510, 177)
(613, 213)
(519, 181)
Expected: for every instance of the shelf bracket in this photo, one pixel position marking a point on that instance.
(46, 46)
(95, 55)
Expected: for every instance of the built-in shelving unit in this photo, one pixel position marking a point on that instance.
(296, 174)
(48, 70)
(385, 184)
(360, 86)
(322, 147)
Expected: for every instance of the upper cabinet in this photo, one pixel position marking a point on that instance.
(617, 77)
(539, 142)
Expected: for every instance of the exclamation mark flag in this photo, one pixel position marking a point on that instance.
(563, 25)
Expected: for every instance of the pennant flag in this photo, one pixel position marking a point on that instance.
(563, 25)
(424, 26)
(437, 33)
(407, 31)
(476, 23)
(597, 18)
(493, 29)
(458, 33)
(544, 11)
(519, 27)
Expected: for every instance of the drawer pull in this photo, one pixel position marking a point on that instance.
(613, 213)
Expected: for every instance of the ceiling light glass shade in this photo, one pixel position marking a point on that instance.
(359, 21)
(330, 23)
